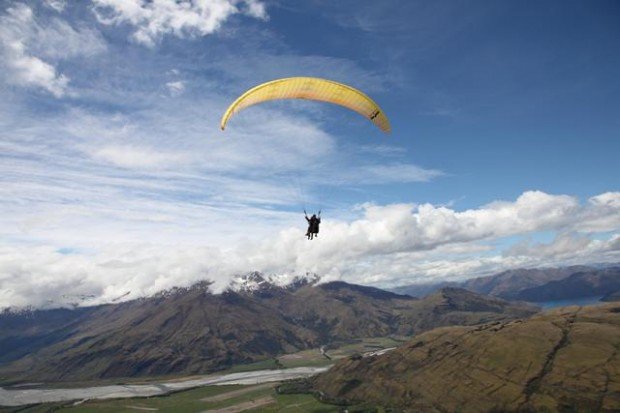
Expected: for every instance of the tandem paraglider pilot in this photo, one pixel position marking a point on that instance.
(313, 225)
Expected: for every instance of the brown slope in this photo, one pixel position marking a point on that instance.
(26, 331)
(566, 360)
(188, 331)
(192, 331)
(341, 310)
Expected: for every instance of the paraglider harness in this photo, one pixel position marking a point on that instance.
(313, 225)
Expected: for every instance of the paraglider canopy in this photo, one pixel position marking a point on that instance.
(312, 88)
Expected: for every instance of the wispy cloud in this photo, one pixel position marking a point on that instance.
(186, 18)
(58, 5)
(30, 49)
(383, 150)
(396, 173)
(176, 88)
(26, 69)
(137, 157)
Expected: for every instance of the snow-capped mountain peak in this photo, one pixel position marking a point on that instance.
(256, 281)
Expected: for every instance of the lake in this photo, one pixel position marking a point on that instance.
(573, 301)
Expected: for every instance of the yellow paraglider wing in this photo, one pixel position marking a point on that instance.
(311, 88)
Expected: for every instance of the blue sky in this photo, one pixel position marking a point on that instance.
(115, 175)
(505, 96)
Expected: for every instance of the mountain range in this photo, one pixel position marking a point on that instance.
(535, 285)
(191, 330)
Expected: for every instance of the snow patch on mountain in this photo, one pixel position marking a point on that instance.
(256, 281)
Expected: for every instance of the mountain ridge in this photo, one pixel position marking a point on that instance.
(525, 284)
(191, 330)
(577, 285)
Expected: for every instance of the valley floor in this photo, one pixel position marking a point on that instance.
(215, 399)
(243, 388)
(32, 396)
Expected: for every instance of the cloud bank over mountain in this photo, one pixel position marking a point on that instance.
(386, 245)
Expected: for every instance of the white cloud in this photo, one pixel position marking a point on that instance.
(33, 71)
(58, 5)
(400, 228)
(27, 70)
(602, 212)
(52, 275)
(185, 18)
(383, 150)
(29, 49)
(388, 245)
(176, 88)
(567, 246)
(256, 9)
(127, 156)
(396, 173)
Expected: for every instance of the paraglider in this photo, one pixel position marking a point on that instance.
(313, 225)
(310, 88)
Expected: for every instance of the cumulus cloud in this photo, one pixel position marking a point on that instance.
(601, 212)
(185, 18)
(55, 278)
(397, 228)
(30, 48)
(387, 245)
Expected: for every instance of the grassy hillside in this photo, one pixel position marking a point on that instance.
(564, 360)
